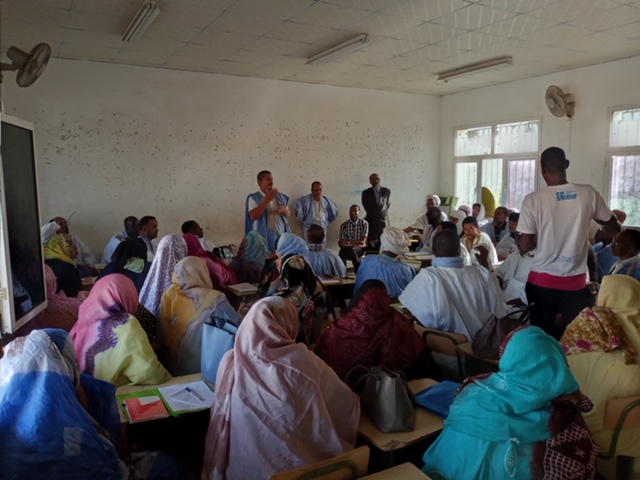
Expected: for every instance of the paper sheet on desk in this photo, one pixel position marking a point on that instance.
(180, 400)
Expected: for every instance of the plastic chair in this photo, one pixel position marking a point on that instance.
(348, 466)
(621, 413)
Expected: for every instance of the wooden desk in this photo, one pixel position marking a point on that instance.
(475, 364)
(406, 471)
(339, 288)
(424, 258)
(427, 424)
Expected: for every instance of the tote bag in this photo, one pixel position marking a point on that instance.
(218, 337)
(385, 396)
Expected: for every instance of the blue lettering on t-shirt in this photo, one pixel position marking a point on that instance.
(563, 195)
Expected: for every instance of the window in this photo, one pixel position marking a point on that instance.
(501, 157)
(624, 157)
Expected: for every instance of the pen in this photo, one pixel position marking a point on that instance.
(195, 394)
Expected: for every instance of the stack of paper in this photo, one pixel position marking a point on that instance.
(243, 288)
(187, 397)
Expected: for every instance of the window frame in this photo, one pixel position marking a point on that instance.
(617, 151)
(506, 157)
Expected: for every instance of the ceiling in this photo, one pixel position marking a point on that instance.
(410, 40)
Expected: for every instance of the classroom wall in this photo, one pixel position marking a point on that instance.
(115, 140)
(584, 139)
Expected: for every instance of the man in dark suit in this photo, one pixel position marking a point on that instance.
(375, 201)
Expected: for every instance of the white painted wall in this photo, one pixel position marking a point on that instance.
(595, 89)
(117, 140)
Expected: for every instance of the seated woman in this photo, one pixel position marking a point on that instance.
(130, 259)
(171, 249)
(522, 422)
(299, 284)
(221, 274)
(109, 341)
(291, 244)
(372, 333)
(288, 244)
(65, 424)
(250, 260)
(59, 254)
(278, 406)
(188, 303)
(387, 266)
(606, 365)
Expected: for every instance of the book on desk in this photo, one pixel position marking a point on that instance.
(164, 401)
(243, 288)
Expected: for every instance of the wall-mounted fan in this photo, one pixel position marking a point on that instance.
(559, 103)
(29, 65)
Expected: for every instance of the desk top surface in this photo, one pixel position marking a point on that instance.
(405, 471)
(467, 349)
(427, 424)
(140, 388)
(331, 281)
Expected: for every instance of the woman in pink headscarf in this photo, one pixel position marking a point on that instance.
(221, 275)
(110, 343)
(278, 406)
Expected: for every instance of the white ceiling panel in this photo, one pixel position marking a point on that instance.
(473, 17)
(424, 10)
(429, 33)
(410, 40)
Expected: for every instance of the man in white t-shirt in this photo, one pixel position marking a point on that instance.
(559, 216)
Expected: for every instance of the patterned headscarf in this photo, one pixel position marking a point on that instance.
(253, 249)
(185, 306)
(113, 299)
(300, 286)
(171, 250)
(57, 248)
(372, 333)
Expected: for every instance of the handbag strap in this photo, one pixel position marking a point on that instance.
(358, 383)
(351, 371)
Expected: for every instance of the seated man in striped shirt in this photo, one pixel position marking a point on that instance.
(353, 237)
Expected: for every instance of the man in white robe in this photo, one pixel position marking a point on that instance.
(473, 238)
(315, 209)
(450, 297)
(434, 219)
(131, 230)
(507, 244)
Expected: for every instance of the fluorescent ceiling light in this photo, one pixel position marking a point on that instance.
(474, 68)
(141, 21)
(344, 48)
